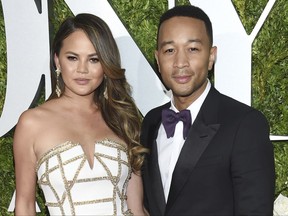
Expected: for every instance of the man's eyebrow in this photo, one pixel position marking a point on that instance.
(194, 41)
(164, 43)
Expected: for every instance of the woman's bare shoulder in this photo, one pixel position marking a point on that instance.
(35, 116)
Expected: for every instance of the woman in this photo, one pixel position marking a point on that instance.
(84, 141)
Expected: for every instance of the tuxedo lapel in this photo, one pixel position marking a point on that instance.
(198, 139)
(153, 182)
(200, 135)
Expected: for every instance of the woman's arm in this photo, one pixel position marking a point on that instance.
(25, 162)
(135, 195)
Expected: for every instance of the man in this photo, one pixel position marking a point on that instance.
(224, 165)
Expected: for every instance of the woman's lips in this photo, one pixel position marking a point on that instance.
(81, 81)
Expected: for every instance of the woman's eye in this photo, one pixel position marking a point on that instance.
(94, 60)
(72, 58)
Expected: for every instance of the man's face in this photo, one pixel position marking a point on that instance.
(184, 56)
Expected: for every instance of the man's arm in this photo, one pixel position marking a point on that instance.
(252, 167)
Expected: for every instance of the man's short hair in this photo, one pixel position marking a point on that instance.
(188, 11)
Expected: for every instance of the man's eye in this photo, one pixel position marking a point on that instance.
(194, 49)
(169, 51)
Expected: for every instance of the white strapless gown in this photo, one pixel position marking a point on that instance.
(72, 187)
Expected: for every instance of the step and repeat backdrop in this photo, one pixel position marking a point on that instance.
(252, 62)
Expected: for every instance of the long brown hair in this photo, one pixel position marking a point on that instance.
(118, 109)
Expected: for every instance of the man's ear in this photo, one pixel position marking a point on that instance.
(156, 57)
(212, 57)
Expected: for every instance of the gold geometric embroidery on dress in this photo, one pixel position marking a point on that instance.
(58, 150)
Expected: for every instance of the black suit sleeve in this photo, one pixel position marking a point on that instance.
(252, 167)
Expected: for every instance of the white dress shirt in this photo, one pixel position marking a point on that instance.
(169, 149)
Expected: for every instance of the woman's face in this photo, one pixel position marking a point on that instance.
(78, 61)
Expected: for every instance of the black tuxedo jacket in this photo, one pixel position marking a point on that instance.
(226, 166)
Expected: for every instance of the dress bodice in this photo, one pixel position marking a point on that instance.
(72, 187)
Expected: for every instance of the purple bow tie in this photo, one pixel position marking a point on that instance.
(171, 118)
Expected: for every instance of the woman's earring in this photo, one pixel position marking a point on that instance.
(105, 93)
(58, 90)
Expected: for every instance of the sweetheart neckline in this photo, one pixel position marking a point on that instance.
(72, 143)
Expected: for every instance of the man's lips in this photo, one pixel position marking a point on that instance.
(182, 78)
